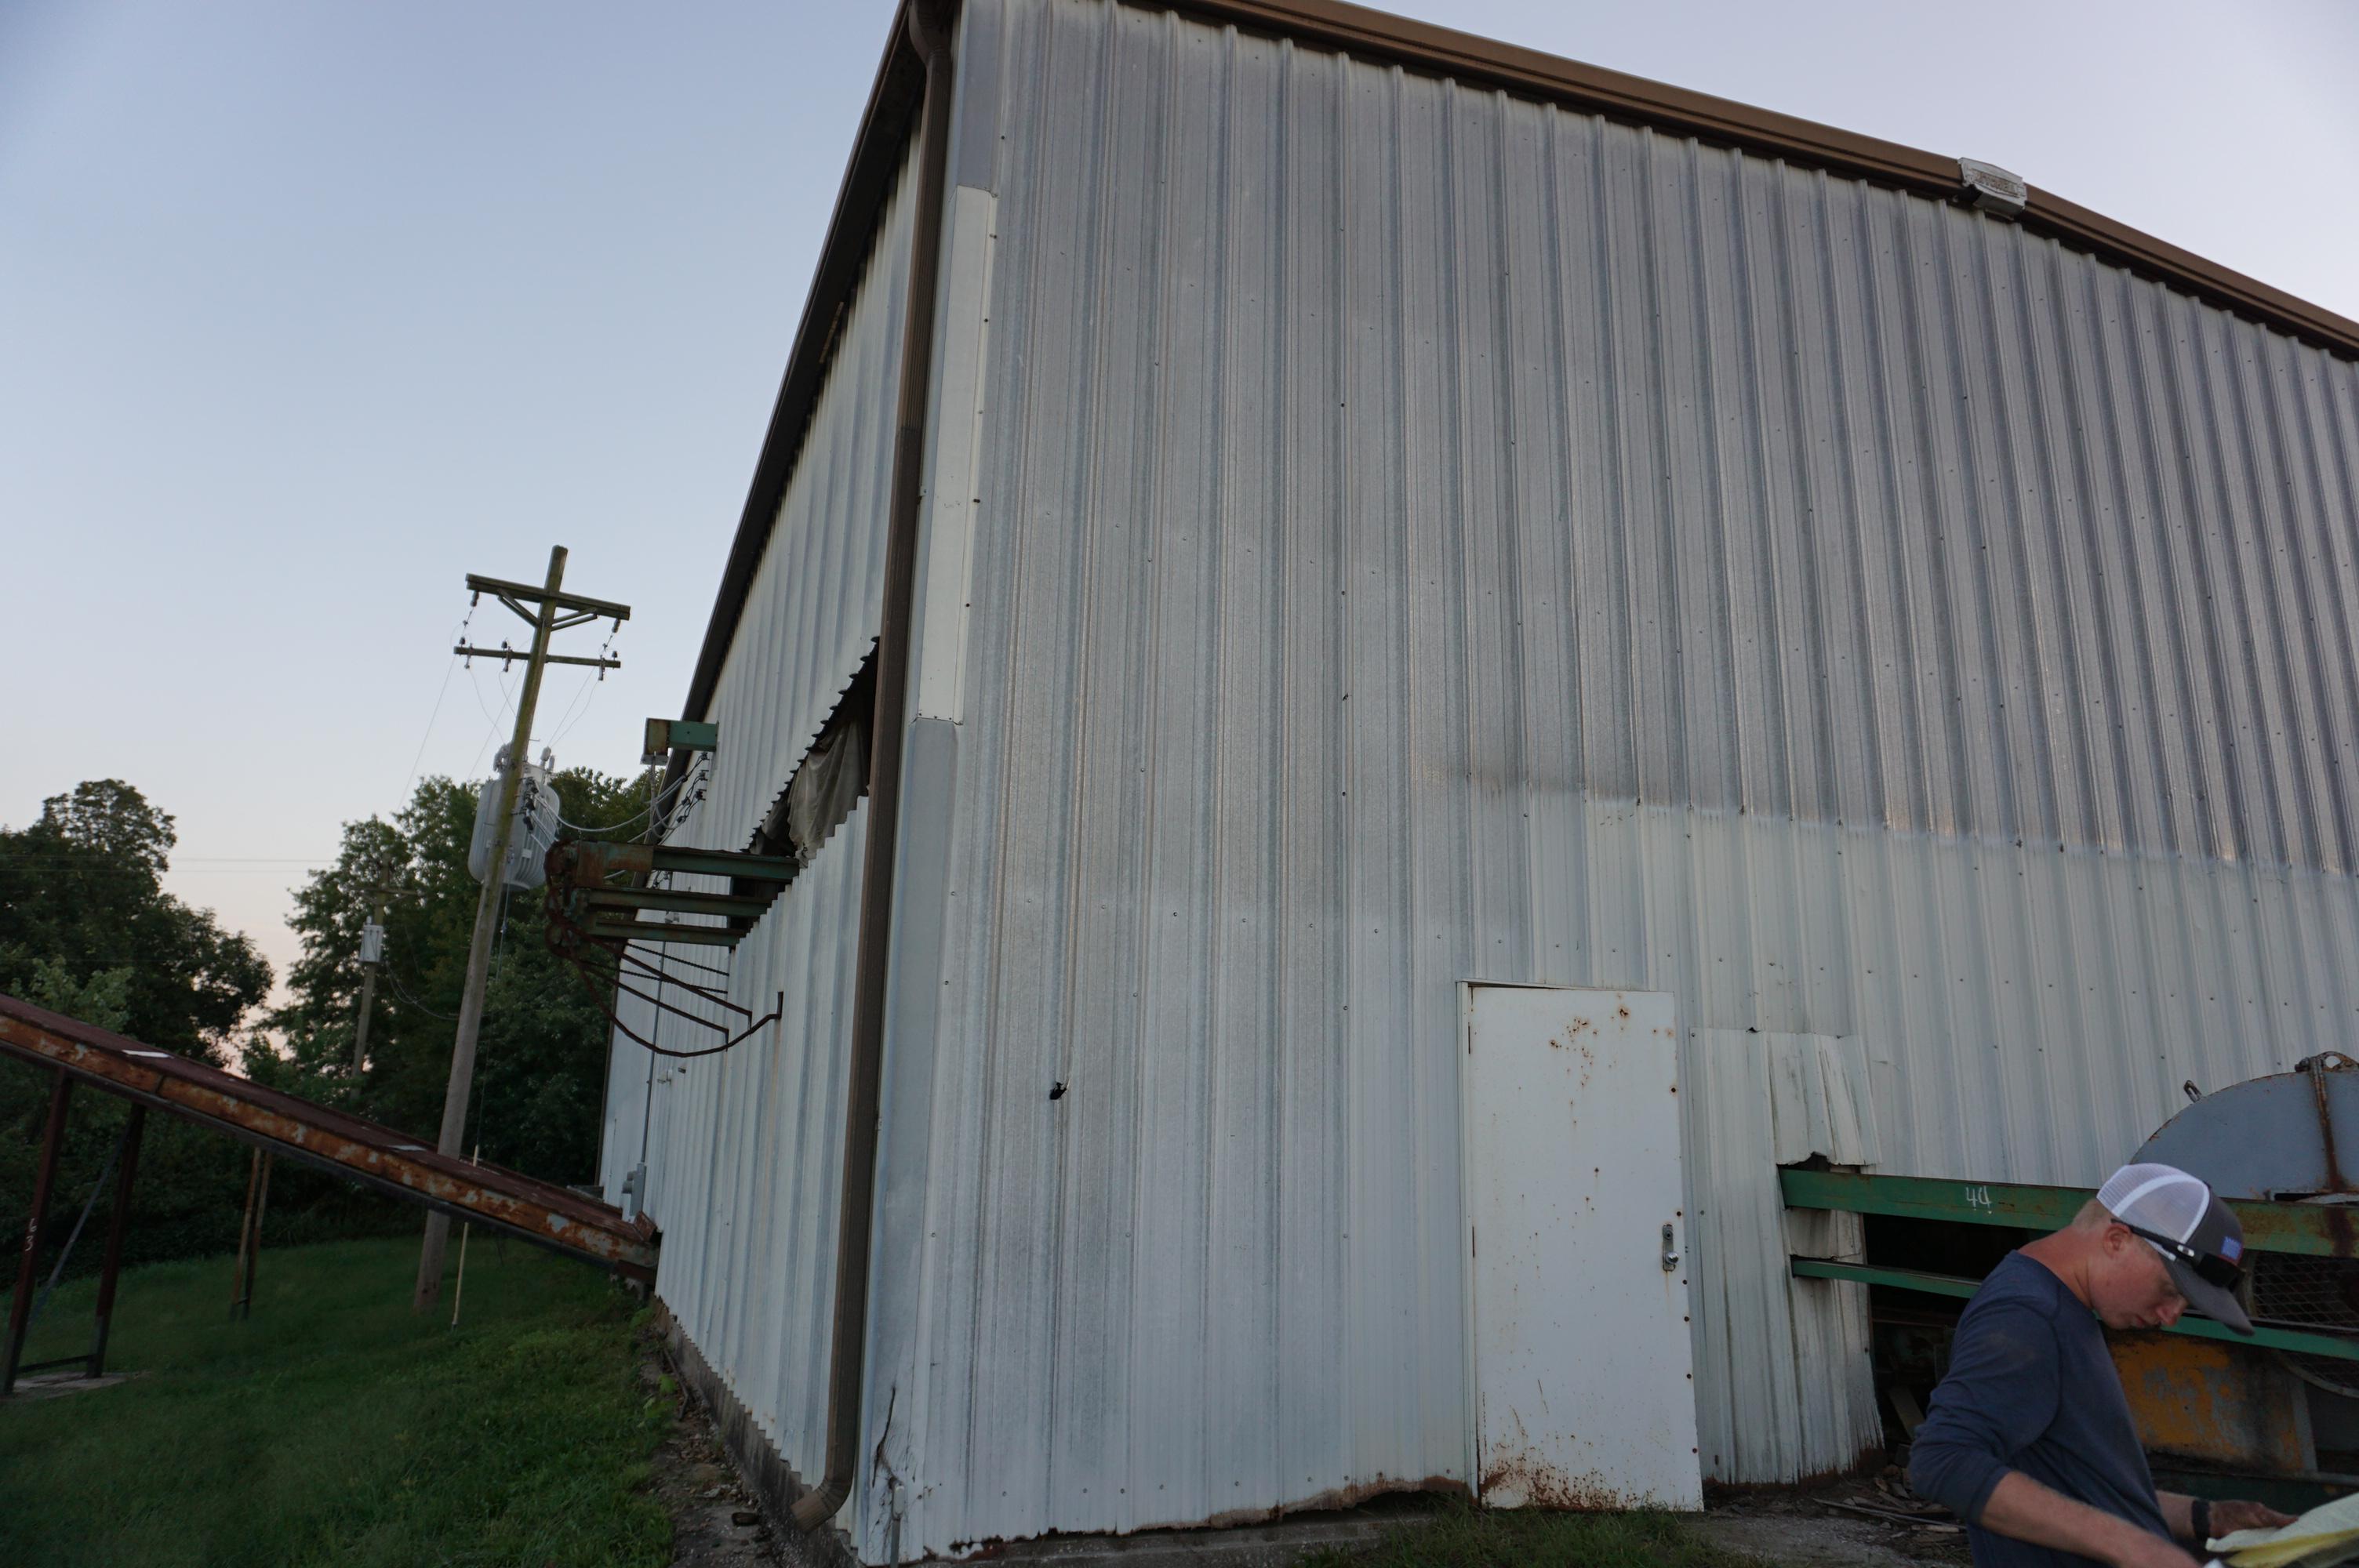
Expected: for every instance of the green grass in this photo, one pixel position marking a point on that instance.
(335, 1427)
(1463, 1537)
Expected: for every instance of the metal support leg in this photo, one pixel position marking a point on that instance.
(237, 1280)
(114, 1221)
(28, 1259)
(249, 1250)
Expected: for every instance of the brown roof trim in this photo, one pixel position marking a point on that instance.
(1378, 34)
(1367, 34)
(2125, 246)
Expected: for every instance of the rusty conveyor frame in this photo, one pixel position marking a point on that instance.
(342, 1144)
(592, 921)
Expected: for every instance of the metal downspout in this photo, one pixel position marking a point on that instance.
(929, 23)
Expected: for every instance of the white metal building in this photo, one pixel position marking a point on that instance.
(1401, 517)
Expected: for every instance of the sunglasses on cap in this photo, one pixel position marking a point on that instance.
(2209, 1267)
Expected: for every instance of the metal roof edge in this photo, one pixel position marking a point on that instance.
(1364, 33)
(1367, 34)
(884, 128)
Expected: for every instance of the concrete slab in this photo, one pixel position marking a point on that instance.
(56, 1385)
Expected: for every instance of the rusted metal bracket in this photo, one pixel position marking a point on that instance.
(600, 890)
(589, 924)
(2315, 1068)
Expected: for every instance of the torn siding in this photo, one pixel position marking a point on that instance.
(746, 1150)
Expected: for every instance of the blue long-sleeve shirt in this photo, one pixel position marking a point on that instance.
(2031, 1389)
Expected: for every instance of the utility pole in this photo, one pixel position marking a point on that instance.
(555, 612)
(372, 952)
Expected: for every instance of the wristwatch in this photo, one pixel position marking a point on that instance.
(2198, 1520)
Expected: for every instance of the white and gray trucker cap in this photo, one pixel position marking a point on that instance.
(2196, 1234)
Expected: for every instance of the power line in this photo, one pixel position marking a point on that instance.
(444, 690)
(586, 696)
(492, 729)
(403, 992)
(634, 818)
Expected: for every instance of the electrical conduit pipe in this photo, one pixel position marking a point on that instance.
(929, 24)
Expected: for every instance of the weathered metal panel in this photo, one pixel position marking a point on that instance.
(1422, 536)
(2199, 1399)
(1770, 1346)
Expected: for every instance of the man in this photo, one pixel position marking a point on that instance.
(2030, 1440)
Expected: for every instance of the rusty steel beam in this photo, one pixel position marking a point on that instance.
(584, 862)
(350, 1146)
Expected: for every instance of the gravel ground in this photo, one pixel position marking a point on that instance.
(716, 1521)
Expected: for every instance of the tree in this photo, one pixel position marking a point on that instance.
(82, 898)
(86, 929)
(540, 1061)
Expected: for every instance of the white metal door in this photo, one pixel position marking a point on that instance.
(1582, 1372)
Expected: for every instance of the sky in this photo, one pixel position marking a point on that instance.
(308, 310)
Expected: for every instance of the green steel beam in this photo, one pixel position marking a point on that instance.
(652, 931)
(750, 907)
(1932, 1197)
(2332, 1344)
(1872, 1274)
(2319, 1230)
(723, 863)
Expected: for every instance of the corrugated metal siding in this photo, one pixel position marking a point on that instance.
(1424, 535)
(812, 610)
(629, 1090)
(747, 1149)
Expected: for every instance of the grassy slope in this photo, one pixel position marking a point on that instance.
(335, 1427)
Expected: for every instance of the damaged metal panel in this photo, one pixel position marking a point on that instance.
(1423, 536)
(1771, 1401)
(746, 1164)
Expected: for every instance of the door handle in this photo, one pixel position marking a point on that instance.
(1670, 1258)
